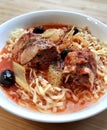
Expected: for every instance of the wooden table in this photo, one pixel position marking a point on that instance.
(12, 8)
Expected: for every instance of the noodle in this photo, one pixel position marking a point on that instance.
(5, 56)
(16, 35)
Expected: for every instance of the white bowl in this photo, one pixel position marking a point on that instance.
(52, 16)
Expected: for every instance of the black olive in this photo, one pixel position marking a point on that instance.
(38, 30)
(64, 53)
(75, 30)
(7, 78)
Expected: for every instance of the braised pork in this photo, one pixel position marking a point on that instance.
(35, 51)
(80, 68)
(46, 55)
(23, 42)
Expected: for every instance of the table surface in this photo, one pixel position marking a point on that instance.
(12, 8)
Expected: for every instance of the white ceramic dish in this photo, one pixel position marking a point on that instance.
(52, 16)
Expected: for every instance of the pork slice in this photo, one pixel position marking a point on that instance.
(80, 68)
(22, 43)
(28, 54)
(18, 47)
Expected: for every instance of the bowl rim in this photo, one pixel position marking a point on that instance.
(52, 118)
(55, 11)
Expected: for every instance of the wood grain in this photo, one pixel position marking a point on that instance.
(12, 8)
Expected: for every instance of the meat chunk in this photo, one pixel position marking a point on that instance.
(47, 53)
(23, 42)
(35, 51)
(80, 68)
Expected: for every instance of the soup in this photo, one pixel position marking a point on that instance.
(54, 68)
